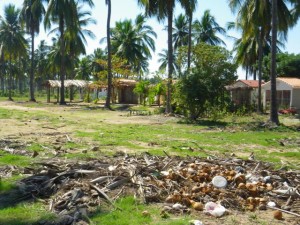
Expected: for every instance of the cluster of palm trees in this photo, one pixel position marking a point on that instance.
(259, 22)
(205, 30)
(134, 41)
(66, 19)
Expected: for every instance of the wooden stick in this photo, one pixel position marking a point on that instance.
(166, 154)
(101, 193)
(285, 211)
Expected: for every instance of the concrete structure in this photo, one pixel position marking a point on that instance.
(288, 93)
(244, 92)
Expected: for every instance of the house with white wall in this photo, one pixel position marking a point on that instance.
(288, 93)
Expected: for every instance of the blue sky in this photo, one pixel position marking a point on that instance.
(122, 9)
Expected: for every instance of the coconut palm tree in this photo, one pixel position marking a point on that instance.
(191, 7)
(76, 39)
(41, 60)
(146, 36)
(180, 31)
(296, 9)
(163, 60)
(206, 30)
(63, 13)
(12, 41)
(133, 42)
(256, 17)
(164, 9)
(32, 14)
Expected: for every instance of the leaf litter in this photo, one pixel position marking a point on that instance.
(75, 189)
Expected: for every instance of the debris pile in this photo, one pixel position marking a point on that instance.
(215, 186)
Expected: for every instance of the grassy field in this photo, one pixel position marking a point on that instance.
(76, 128)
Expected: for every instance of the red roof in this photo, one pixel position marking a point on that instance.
(251, 83)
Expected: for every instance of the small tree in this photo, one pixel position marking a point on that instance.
(203, 87)
(142, 88)
(288, 65)
(160, 89)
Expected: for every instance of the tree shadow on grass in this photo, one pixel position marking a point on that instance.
(204, 123)
(13, 197)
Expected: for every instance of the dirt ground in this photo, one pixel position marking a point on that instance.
(41, 131)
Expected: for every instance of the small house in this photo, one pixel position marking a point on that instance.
(244, 92)
(288, 93)
(124, 91)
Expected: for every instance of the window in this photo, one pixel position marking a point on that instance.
(283, 98)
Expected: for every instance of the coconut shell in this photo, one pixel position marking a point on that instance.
(269, 187)
(197, 206)
(242, 186)
(277, 215)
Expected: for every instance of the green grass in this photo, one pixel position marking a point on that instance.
(15, 160)
(130, 212)
(175, 138)
(6, 185)
(24, 214)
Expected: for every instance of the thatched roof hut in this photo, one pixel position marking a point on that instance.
(68, 83)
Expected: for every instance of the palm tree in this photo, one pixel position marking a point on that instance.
(84, 69)
(146, 36)
(162, 9)
(40, 57)
(32, 14)
(190, 10)
(12, 41)
(180, 32)
(109, 65)
(64, 13)
(163, 60)
(296, 9)
(206, 30)
(274, 108)
(256, 17)
(133, 42)
(76, 41)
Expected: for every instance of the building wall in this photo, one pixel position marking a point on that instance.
(296, 99)
(280, 86)
(127, 96)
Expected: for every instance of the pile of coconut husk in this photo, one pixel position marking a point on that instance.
(75, 189)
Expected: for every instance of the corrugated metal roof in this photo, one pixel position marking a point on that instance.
(294, 82)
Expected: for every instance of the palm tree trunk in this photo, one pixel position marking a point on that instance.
(21, 76)
(260, 56)
(31, 85)
(274, 111)
(2, 74)
(170, 56)
(62, 63)
(190, 42)
(73, 74)
(10, 79)
(109, 74)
